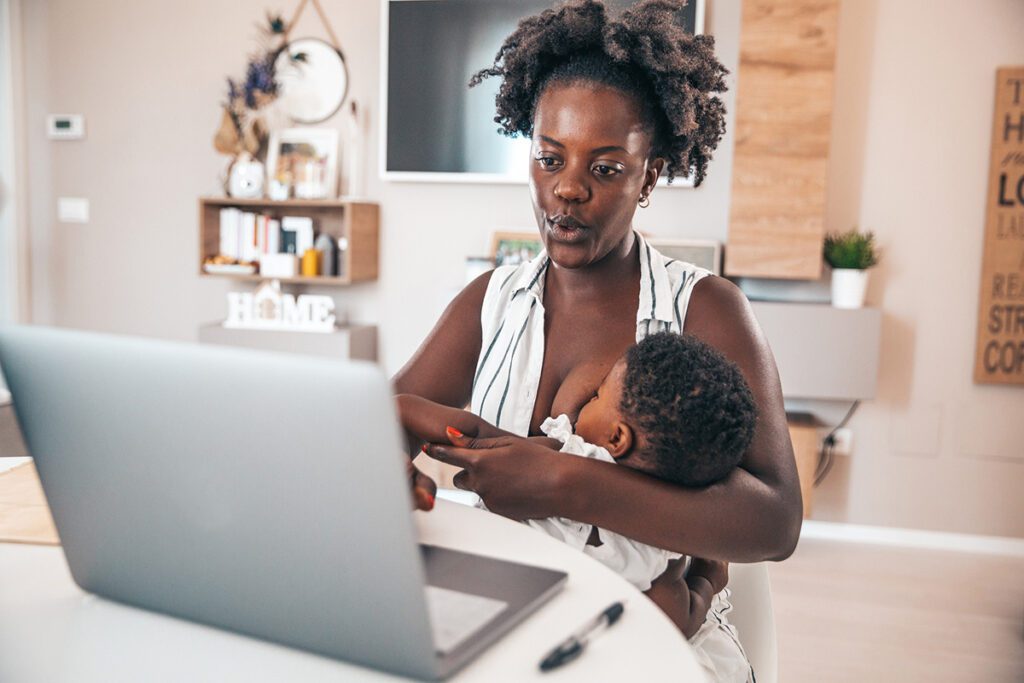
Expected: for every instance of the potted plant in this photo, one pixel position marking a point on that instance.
(850, 254)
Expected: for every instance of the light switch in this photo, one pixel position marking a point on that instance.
(72, 210)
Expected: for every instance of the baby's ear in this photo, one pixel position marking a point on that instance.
(621, 441)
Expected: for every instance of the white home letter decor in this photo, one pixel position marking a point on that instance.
(269, 309)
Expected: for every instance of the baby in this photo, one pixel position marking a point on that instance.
(671, 407)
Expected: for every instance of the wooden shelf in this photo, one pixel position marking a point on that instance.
(325, 280)
(285, 204)
(358, 221)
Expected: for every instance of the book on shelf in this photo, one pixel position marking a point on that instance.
(248, 251)
(302, 228)
(230, 225)
(247, 236)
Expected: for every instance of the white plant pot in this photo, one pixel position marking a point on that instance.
(849, 285)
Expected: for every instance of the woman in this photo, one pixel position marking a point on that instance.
(608, 105)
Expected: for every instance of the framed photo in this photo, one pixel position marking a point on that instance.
(305, 160)
(513, 248)
(704, 253)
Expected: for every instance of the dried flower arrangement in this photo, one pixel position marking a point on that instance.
(244, 127)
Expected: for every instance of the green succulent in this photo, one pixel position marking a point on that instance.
(851, 249)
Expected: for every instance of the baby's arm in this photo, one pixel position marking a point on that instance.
(425, 422)
(687, 607)
(704, 580)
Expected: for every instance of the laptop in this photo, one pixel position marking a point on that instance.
(257, 492)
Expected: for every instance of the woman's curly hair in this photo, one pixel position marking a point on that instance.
(644, 53)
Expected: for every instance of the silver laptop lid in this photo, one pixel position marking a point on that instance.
(220, 485)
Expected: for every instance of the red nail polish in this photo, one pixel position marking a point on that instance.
(423, 448)
(452, 431)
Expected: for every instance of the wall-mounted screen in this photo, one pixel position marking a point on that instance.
(435, 128)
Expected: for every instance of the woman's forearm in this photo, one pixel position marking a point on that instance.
(740, 519)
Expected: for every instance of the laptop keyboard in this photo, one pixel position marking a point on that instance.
(455, 616)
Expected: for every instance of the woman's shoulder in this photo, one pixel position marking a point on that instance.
(721, 315)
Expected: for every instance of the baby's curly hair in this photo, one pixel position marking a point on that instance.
(692, 406)
(643, 53)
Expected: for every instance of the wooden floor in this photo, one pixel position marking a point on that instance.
(11, 443)
(853, 612)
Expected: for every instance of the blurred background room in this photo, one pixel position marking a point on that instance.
(161, 161)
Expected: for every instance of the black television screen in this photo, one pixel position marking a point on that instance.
(435, 126)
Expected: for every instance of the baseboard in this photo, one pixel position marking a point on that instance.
(913, 538)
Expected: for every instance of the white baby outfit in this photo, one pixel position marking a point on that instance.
(508, 374)
(636, 562)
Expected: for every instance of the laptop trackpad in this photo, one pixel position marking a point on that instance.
(454, 615)
(487, 597)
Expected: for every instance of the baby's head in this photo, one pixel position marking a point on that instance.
(672, 407)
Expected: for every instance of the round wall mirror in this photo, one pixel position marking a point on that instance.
(312, 80)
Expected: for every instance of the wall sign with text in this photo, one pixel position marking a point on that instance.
(999, 356)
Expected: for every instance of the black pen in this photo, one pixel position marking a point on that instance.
(572, 647)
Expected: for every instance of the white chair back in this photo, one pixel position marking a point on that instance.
(754, 618)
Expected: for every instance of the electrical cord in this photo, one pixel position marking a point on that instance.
(828, 447)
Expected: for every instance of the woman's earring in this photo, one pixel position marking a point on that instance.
(644, 202)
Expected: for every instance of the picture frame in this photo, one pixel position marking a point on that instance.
(305, 160)
(513, 248)
(704, 253)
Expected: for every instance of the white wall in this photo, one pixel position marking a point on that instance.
(911, 138)
(914, 83)
(149, 84)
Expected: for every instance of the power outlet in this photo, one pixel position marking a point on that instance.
(843, 441)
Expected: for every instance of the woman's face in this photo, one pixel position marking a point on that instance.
(590, 164)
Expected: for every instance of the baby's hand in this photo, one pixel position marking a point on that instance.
(716, 573)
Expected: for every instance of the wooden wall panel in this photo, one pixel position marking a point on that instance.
(783, 123)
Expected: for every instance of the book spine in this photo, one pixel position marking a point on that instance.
(274, 237)
(248, 248)
(229, 232)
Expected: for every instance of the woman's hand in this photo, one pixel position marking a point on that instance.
(423, 488)
(515, 477)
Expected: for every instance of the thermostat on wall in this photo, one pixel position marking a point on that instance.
(65, 126)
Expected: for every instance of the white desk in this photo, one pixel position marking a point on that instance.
(51, 631)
